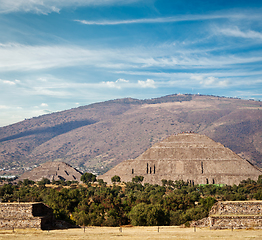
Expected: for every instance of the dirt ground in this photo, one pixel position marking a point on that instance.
(134, 233)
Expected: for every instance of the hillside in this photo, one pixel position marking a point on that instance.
(99, 136)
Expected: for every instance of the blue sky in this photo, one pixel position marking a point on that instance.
(60, 54)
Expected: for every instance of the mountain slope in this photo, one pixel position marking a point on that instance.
(99, 136)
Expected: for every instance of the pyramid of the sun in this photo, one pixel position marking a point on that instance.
(190, 157)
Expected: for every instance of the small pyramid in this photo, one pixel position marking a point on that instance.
(53, 171)
(190, 157)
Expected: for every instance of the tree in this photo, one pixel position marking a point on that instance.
(164, 182)
(138, 179)
(43, 182)
(116, 179)
(101, 182)
(148, 215)
(27, 182)
(88, 177)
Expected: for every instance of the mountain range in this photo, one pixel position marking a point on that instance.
(98, 136)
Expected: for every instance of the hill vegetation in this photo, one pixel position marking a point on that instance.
(97, 137)
(173, 203)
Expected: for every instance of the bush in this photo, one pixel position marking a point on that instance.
(115, 179)
(88, 177)
(148, 215)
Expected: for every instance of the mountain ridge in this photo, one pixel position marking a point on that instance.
(98, 136)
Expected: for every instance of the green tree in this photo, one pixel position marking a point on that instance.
(148, 215)
(138, 179)
(27, 182)
(88, 177)
(116, 179)
(43, 182)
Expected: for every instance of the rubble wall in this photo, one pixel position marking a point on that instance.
(235, 222)
(20, 223)
(236, 214)
(25, 215)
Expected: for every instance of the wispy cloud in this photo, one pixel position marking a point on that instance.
(236, 32)
(18, 57)
(48, 6)
(182, 18)
(25, 57)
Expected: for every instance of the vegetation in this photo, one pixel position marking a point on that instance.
(115, 179)
(88, 177)
(173, 203)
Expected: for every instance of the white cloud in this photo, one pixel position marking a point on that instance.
(3, 107)
(119, 83)
(8, 82)
(44, 105)
(149, 83)
(223, 83)
(236, 32)
(111, 84)
(122, 80)
(210, 81)
(197, 77)
(48, 6)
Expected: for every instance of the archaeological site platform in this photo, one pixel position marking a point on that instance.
(25, 215)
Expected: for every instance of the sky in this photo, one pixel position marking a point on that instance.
(61, 54)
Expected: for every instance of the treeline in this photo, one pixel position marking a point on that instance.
(97, 204)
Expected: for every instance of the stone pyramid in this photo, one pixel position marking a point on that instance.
(53, 171)
(190, 157)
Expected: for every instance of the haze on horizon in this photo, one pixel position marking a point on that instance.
(60, 54)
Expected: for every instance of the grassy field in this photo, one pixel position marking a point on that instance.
(106, 233)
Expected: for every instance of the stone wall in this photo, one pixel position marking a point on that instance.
(235, 222)
(237, 208)
(25, 215)
(233, 214)
(236, 214)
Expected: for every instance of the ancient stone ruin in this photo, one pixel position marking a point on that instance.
(53, 171)
(190, 157)
(25, 215)
(233, 215)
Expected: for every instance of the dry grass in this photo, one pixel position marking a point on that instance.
(107, 233)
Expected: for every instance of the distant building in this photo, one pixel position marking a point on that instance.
(53, 171)
(190, 157)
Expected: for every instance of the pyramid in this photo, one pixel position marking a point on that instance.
(190, 157)
(53, 171)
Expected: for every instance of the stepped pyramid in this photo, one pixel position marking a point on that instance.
(53, 171)
(191, 157)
